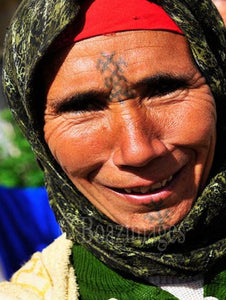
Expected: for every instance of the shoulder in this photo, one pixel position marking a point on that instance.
(47, 275)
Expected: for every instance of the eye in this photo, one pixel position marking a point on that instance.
(82, 103)
(77, 106)
(165, 88)
(163, 85)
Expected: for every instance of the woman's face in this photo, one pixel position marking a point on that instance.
(131, 121)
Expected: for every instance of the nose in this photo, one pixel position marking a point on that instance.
(137, 143)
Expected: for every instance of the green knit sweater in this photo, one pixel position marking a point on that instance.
(98, 282)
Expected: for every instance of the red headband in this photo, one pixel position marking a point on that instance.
(103, 17)
(99, 17)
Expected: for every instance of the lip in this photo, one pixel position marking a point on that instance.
(159, 196)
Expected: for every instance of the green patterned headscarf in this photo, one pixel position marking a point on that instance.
(198, 243)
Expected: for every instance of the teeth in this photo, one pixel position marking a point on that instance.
(145, 189)
(136, 190)
(164, 182)
(170, 178)
(155, 186)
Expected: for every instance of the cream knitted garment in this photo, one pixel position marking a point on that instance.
(47, 276)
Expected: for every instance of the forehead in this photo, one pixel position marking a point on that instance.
(136, 54)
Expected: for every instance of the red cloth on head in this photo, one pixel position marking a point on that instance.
(103, 17)
(99, 17)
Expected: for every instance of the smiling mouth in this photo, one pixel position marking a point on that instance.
(146, 189)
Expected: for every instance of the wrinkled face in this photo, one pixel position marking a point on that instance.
(131, 121)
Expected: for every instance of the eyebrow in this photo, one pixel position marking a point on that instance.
(154, 85)
(163, 83)
(79, 98)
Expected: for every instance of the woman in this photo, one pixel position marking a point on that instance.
(120, 109)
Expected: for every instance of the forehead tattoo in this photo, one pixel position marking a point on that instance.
(113, 70)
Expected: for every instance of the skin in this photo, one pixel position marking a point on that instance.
(131, 110)
(221, 6)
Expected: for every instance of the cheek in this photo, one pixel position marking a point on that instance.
(78, 149)
(190, 124)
